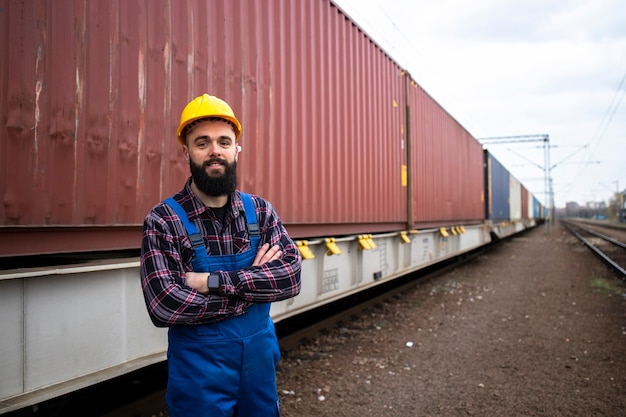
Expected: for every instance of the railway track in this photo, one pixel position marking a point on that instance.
(611, 249)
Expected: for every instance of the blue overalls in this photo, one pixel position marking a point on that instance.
(226, 368)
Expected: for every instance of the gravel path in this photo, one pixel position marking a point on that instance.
(535, 327)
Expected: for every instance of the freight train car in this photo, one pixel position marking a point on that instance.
(509, 207)
(371, 176)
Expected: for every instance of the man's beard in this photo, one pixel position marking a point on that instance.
(214, 185)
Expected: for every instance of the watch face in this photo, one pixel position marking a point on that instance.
(213, 282)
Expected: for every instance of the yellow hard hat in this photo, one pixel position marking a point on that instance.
(206, 106)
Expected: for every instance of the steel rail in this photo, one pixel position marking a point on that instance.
(607, 238)
(594, 248)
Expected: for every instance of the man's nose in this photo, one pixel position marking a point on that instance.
(215, 149)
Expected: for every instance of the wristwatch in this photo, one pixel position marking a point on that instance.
(213, 282)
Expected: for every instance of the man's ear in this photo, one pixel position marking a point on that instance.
(237, 150)
(186, 152)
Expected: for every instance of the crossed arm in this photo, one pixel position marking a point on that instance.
(198, 280)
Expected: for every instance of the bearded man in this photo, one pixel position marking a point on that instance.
(212, 261)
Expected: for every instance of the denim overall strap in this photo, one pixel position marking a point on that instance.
(253, 224)
(201, 261)
(192, 230)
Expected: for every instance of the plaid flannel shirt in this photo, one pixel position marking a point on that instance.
(166, 254)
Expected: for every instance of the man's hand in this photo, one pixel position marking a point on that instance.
(266, 254)
(197, 281)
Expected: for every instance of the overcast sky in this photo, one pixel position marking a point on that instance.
(521, 67)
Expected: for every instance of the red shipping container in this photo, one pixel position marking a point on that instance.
(91, 98)
(525, 199)
(446, 166)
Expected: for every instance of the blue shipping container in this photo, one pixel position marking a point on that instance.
(497, 201)
(536, 208)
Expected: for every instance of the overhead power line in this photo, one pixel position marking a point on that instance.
(608, 115)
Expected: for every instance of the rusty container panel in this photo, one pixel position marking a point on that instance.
(525, 203)
(446, 166)
(91, 100)
(323, 113)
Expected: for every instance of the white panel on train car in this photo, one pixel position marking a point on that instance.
(311, 275)
(404, 254)
(515, 198)
(472, 238)
(445, 245)
(423, 249)
(338, 271)
(372, 263)
(11, 347)
(74, 324)
(142, 337)
(391, 254)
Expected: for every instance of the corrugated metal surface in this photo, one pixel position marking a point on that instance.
(446, 165)
(537, 210)
(497, 188)
(526, 203)
(77, 121)
(328, 148)
(91, 99)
